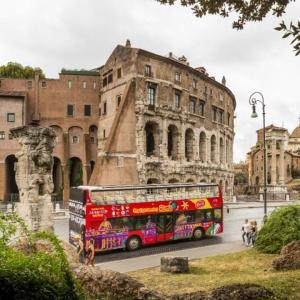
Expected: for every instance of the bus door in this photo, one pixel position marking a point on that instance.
(164, 227)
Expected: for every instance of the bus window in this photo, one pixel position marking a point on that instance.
(203, 215)
(218, 214)
(184, 217)
(208, 215)
(122, 223)
(144, 222)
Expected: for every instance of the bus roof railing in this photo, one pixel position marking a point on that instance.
(107, 188)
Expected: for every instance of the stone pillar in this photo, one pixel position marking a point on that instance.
(273, 163)
(34, 176)
(164, 138)
(281, 164)
(66, 183)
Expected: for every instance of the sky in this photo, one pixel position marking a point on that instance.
(77, 34)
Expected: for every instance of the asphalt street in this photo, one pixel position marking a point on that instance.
(228, 241)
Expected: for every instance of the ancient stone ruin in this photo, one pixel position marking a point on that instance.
(34, 176)
(174, 264)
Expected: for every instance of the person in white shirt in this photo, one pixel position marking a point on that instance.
(246, 229)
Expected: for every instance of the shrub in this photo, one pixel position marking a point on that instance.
(281, 228)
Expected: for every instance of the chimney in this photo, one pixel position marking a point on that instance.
(224, 80)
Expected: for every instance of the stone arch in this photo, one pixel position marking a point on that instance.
(173, 142)
(257, 180)
(57, 177)
(152, 138)
(202, 146)
(190, 180)
(173, 180)
(189, 144)
(152, 181)
(11, 188)
(75, 168)
(203, 181)
(221, 150)
(213, 148)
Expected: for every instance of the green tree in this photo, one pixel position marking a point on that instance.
(247, 11)
(240, 178)
(16, 70)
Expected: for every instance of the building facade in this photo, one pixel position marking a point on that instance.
(70, 106)
(162, 121)
(282, 159)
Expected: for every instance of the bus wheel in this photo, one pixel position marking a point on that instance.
(198, 234)
(133, 243)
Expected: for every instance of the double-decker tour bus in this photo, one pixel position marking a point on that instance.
(136, 215)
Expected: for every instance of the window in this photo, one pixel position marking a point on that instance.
(194, 83)
(217, 215)
(221, 97)
(104, 82)
(192, 105)
(228, 119)
(215, 110)
(118, 98)
(104, 134)
(110, 78)
(147, 70)
(125, 223)
(2, 135)
(29, 84)
(221, 116)
(203, 215)
(151, 94)
(87, 110)
(144, 222)
(177, 99)
(10, 136)
(92, 140)
(119, 73)
(104, 108)
(177, 76)
(84, 84)
(205, 90)
(211, 92)
(201, 108)
(94, 85)
(184, 217)
(75, 139)
(69, 84)
(70, 110)
(44, 84)
(11, 117)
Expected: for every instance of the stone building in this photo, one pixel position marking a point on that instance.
(282, 159)
(162, 121)
(70, 106)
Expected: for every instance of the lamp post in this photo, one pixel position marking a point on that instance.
(253, 100)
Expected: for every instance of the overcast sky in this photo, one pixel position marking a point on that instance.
(82, 34)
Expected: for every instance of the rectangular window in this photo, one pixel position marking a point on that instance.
(177, 99)
(29, 84)
(2, 135)
(70, 110)
(104, 134)
(110, 78)
(192, 105)
(151, 94)
(92, 140)
(119, 73)
(94, 85)
(75, 139)
(69, 84)
(221, 97)
(87, 110)
(118, 98)
(201, 108)
(104, 82)
(221, 116)
(44, 84)
(104, 108)
(84, 84)
(214, 112)
(11, 117)
(148, 70)
(228, 119)
(194, 83)
(177, 76)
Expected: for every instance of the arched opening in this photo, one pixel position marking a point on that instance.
(221, 150)
(203, 181)
(226, 188)
(202, 147)
(227, 151)
(173, 180)
(213, 148)
(92, 164)
(152, 138)
(189, 144)
(152, 181)
(257, 180)
(75, 171)
(173, 139)
(11, 188)
(57, 179)
(221, 186)
(213, 181)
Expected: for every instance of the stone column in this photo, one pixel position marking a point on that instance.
(273, 163)
(164, 139)
(34, 176)
(281, 164)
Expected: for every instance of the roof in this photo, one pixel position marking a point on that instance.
(79, 72)
(296, 133)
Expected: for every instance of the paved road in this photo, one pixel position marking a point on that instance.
(229, 241)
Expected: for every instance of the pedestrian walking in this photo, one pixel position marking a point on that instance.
(253, 233)
(90, 253)
(246, 230)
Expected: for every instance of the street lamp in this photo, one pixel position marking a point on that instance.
(253, 101)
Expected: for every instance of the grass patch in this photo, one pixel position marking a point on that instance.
(212, 272)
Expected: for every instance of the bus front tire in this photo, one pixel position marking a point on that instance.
(133, 243)
(198, 234)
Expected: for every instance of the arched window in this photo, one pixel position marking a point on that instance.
(213, 149)
(173, 140)
(202, 146)
(221, 150)
(189, 144)
(152, 138)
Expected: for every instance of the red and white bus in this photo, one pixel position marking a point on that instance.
(136, 215)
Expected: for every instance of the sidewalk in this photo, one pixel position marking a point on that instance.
(237, 205)
(150, 261)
